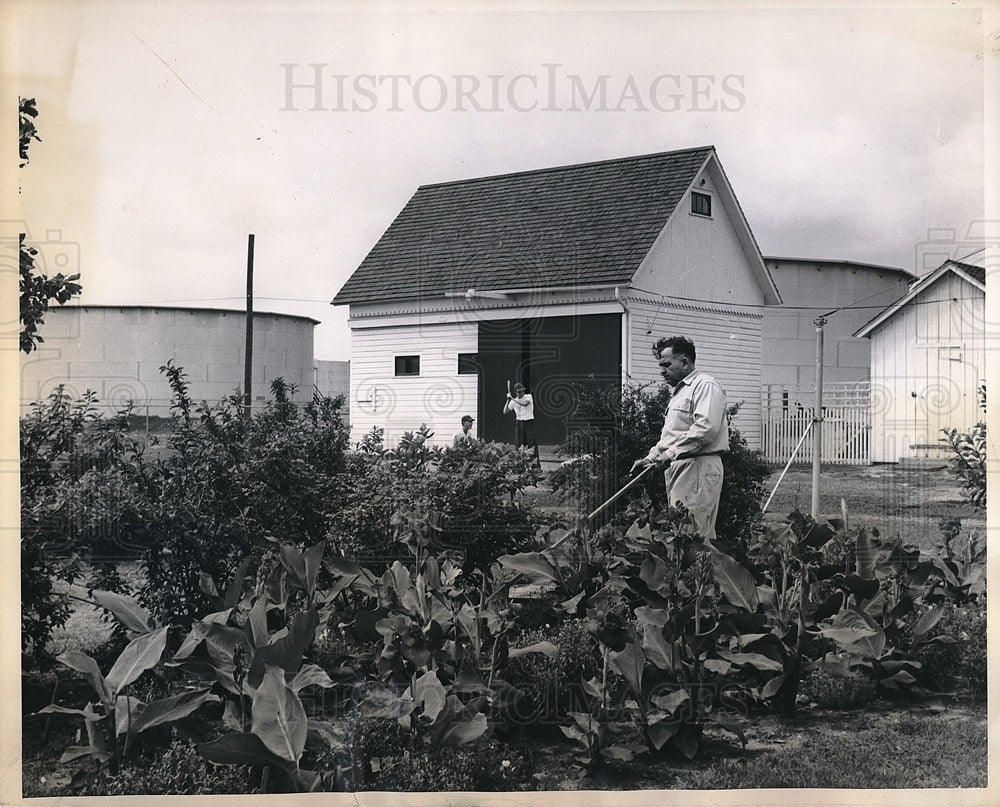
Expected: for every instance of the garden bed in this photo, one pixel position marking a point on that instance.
(314, 618)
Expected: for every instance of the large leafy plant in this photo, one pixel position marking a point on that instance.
(116, 719)
(660, 602)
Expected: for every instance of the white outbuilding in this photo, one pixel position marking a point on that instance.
(557, 278)
(929, 356)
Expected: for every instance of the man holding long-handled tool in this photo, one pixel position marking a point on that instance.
(695, 435)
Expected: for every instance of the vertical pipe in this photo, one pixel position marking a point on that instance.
(248, 351)
(818, 418)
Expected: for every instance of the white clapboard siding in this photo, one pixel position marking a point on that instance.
(728, 345)
(927, 362)
(437, 398)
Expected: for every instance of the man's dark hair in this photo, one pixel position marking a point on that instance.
(680, 345)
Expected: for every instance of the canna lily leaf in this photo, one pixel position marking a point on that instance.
(286, 652)
(310, 675)
(927, 621)
(770, 689)
(167, 710)
(547, 648)
(755, 660)
(77, 751)
(429, 693)
(460, 732)
(138, 656)
(127, 610)
(81, 662)
(866, 556)
(630, 662)
(279, 719)
(240, 749)
(536, 566)
(671, 701)
(735, 582)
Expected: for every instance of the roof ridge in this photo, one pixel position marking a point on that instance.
(570, 166)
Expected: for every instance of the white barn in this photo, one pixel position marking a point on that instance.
(557, 277)
(928, 360)
(117, 352)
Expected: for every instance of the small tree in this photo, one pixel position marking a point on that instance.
(37, 289)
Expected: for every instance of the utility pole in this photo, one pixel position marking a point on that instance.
(248, 350)
(819, 322)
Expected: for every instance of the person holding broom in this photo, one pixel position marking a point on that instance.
(695, 435)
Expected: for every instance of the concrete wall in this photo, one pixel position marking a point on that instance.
(117, 352)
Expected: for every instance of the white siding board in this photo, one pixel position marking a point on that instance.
(438, 397)
(934, 347)
(728, 345)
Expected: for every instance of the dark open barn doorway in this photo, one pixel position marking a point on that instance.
(552, 357)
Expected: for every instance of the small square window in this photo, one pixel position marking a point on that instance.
(468, 363)
(701, 204)
(407, 365)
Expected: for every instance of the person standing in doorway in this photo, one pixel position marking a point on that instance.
(523, 406)
(695, 435)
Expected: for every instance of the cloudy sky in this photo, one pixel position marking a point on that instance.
(170, 131)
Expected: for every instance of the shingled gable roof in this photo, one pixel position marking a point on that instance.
(967, 271)
(572, 226)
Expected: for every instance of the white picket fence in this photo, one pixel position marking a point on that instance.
(786, 413)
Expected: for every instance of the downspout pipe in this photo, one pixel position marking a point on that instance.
(627, 325)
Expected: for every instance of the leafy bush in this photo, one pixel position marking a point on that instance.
(609, 430)
(179, 770)
(959, 662)
(468, 493)
(395, 760)
(554, 687)
(840, 692)
(228, 488)
(69, 452)
(968, 460)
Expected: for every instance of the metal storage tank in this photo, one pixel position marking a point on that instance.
(117, 352)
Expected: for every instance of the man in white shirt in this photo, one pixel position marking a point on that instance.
(695, 434)
(523, 406)
(464, 437)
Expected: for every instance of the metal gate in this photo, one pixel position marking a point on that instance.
(786, 413)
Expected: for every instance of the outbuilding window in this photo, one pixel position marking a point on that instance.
(468, 363)
(701, 204)
(407, 365)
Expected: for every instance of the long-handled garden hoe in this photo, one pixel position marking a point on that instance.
(618, 495)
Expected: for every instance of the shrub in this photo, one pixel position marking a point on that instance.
(469, 493)
(968, 460)
(69, 453)
(960, 662)
(837, 692)
(395, 761)
(609, 430)
(177, 770)
(226, 487)
(231, 486)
